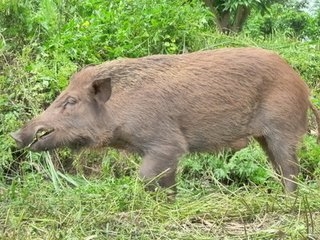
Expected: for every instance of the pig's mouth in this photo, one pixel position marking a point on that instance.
(41, 134)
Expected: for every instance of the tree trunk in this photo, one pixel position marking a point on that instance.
(229, 22)
(241, 17)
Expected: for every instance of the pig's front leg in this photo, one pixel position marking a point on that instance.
(159, 166)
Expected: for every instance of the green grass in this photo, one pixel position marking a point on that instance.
(120, 209)
(46, 203)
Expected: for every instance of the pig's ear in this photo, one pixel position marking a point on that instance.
(101, 89)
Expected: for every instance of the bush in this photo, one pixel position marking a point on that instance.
(26, 22)
(107, 30)
(245, 166)
(283, 20)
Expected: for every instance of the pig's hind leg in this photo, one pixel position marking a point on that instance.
(282, 155)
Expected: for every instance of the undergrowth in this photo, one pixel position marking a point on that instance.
(121, 209)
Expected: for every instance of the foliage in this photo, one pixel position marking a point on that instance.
(34, 21)
(231, 15)
(284, 19)
(245, 166)
(132, 29)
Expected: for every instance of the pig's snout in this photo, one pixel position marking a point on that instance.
(27, 137)
(17, 137)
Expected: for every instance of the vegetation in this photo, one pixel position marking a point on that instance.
(97, 195)
(231, 15)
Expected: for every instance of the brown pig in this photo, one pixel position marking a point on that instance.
(164, 106)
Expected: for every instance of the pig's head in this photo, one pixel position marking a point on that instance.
(77, 118)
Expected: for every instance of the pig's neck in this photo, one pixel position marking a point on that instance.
(120, 137)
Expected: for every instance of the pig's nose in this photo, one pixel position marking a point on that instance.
(17, 137)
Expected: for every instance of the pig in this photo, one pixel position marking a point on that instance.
(164, 106)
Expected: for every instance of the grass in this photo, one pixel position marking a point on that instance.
(46, 203)
(111, 210)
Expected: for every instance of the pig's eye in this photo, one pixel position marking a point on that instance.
(69, 102)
